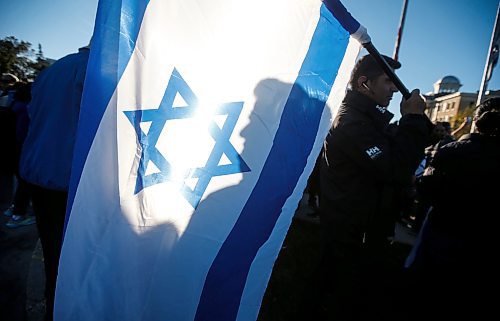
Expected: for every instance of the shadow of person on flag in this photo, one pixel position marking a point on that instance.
(252, 214)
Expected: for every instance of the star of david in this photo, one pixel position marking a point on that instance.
(165, 112)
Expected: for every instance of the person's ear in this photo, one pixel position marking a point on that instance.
(362, 84)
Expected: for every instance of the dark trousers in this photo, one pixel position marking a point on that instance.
(50, 210)
(313, 186)
(21, 197)
(359, 282)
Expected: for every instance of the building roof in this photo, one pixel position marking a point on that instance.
(455, 94)
(448, 80)
(431, 95)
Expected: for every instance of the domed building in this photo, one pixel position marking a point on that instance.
(446, 101)
(448, 84)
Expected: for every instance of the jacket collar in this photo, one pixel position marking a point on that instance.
(380, 115)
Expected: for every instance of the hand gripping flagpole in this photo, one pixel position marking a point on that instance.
(358, 32)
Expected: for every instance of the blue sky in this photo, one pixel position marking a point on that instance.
(441, 37)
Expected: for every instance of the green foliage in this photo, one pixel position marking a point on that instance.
(18, 58)
(466, 112)
(460, 125)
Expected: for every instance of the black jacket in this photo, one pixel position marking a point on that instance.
(366, 165)
(462, 184)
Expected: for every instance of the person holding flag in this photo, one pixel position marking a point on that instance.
(366, 165)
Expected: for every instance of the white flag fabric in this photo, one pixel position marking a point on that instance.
(199, 126)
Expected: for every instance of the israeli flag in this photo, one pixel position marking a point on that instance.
(200, 123)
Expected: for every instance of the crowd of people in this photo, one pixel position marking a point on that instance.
(45, 116)
(365, 177)
(16, 96)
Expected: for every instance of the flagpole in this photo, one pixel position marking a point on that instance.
(387, 69)
(395, 56)
(489, 64)
(484, 81)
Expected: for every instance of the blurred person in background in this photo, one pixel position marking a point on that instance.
(451, 263)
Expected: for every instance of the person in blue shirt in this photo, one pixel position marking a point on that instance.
(48, 151)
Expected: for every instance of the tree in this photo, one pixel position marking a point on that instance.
(41, 62)
(463, 114)
(461, 125)
(16, 57)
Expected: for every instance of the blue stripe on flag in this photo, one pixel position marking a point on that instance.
(342, 15)
(115, 33)
(220, 298)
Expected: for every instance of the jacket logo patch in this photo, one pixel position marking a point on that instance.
(373, 152)
(381, 109)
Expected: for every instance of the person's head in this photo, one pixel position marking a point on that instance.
(446, 126)
(487, 117)
(438, 131)
(369, 79)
